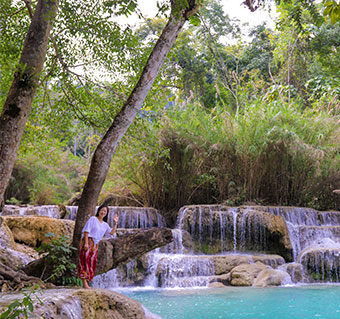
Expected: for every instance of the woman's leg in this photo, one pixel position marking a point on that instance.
(85, 284)
(87, 262)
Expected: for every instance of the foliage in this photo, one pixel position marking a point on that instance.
(273, 153)
(198, 137)
(23, 308)
(57, 255)
(49, 177)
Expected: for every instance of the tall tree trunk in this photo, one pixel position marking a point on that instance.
(103, 154)
(20, 96)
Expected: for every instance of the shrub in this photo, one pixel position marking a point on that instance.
(272, 153)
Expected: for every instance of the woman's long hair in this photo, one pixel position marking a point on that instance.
(107, 209)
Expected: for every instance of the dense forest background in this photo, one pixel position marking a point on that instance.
(230, 119)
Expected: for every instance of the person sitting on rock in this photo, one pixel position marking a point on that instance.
(93, 232)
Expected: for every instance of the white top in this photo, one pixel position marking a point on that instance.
(96, 230)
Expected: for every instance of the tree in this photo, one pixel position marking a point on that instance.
(19, 99)
(180, 12)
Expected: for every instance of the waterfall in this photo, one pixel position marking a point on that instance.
(72, 212)
(307, 227)
(203, 231)
(184, 271)
(175, 247)
(129, 217)
(235, 213)
(44, 210)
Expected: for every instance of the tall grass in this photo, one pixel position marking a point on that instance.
(271, 153)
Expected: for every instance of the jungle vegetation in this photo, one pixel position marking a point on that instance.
(235, 116)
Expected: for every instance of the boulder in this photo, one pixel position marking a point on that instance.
(224, 264)
(295, 270)
(272, 277)
(273, 261)
(12, 254)
(216, 285)
(14, 258)
(245, 274)
(81, 303)
(223, 279)
(6, 236)
(31, 230)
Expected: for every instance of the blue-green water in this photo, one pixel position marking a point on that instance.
(305, 302)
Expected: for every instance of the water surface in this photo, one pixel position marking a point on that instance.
(304, 302)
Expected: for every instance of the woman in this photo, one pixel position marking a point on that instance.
(93, 232)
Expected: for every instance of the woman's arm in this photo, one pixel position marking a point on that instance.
(115, 220)
(86, 240)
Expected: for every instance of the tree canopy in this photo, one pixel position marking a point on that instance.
(193, 139)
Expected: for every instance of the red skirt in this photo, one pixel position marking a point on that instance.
(87, 260)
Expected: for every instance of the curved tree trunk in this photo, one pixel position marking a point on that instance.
(114, 251)
(19, 99)
(103, 154)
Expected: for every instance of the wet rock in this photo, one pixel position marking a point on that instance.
(321, 263)
(217, 228)
(245, 274)
(223, 279)
(273, 261)
(14, 258)
(216, 285)
(224, 264)
(272, 277)
(81, 303)
(6, 236)
(271, 230)
(295, 270)
(31, 230)
(12, 254)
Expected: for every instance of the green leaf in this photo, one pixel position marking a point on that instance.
(195, 20)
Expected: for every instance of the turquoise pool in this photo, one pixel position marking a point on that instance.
(304, 302)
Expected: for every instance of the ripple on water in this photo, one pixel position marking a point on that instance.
(299, 302)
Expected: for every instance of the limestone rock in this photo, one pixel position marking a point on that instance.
(245, 274)
(31, 230)
(102, 304)
(217, 228)
(295, 270)
(273, 261)
(6, 236)
(272, 277)
(216, 285)
(321, 263)
(223, 279)
(81, 303)
(273, 231)
(224, 264)
(14, 258)
(12, 254)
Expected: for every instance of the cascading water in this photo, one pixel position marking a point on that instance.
(44, 210)
(315, 238)
(204, 231)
